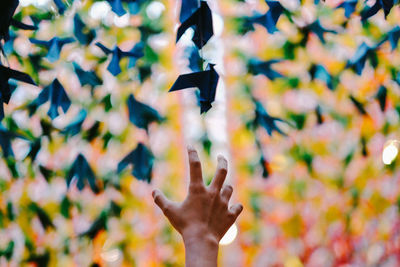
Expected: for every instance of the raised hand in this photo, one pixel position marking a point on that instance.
(204, 216)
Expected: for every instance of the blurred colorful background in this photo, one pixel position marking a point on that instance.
(306, 111)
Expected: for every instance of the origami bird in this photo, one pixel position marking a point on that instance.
(87, 77)
(84, 34)
(117, 8)
(44, 218)
(201, 21)
(267, 20)
(117, 54)
(138, 50)
(39, 259)
(263, 119)
(99, 224)
(359, 106)
(34, 148)
(381, 97)
(55, 93)
(206, 81)
(188, 7)
(349, 7)
(75, 126)
(364, 52)
(318, 113)
(320, 73)
(8, 251)
(317, 29)
(393, 36)
(5, 90)
(386, 5)
(6, 136)
(141, 114)
(256, 66)
(6, 19)
(195, 60)
(82, 171)
(60, 6)
(54, 46)
(142, 160)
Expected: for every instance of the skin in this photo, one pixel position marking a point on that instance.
(204, 216)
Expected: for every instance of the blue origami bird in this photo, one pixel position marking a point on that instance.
(54, 46)
(141, 160)
(117, 54)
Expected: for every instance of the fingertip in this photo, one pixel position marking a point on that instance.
(222, 162)
(240, 208)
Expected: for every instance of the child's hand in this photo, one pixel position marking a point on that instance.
(204, 216)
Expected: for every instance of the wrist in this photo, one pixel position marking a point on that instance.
(204, 239)
(201, 250)
(198, 235)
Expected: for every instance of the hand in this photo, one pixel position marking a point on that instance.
(204, 216)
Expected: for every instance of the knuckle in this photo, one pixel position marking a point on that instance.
(213, 191)
(196, 188)
(224, 204)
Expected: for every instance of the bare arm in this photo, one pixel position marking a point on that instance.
(204, 216)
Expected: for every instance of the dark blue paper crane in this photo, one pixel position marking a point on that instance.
(201, 21)
(381, 97)
(6, 19)
(386, 5)
(54, 46)
(142, 160)
(83, 33)
(141, 114)
(320, 73)
(82, 171)
(317, 29)
(60, 6)
(87, 77)
(256, 66)
(206, 81)
(364, 52)
(117, 54)
(75, 126)
(349, 7)
(188, 7)
(358, 105)
(267, 20)
(394, 36)
(55, 93)
(263, 119)
(117, 8)
(5, 91)
(6, 137)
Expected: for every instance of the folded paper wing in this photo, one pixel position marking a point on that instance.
(206, 81)
(201, 21)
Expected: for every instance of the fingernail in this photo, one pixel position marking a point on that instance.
(190, 148)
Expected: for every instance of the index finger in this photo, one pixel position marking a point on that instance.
(196, 177)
